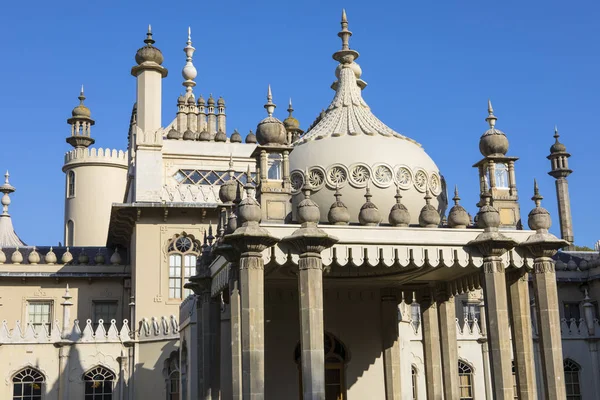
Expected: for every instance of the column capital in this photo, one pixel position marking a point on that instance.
(310, 239)
(251, 238)
(543, 244)
(492, 244)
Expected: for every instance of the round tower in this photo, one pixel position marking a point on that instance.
(95, 178)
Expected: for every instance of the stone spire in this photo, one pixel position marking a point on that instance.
(81, 123)
(429, 216)
(189, 71)
(458, 216)
(559, 162)
(269, 105)
(399, 215)
(8, 237)
(369, 213)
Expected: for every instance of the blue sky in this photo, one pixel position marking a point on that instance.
(430, 66)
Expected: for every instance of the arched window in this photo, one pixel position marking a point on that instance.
(336, 357)
(572, 379)
(172, 376)
(70, 233)
(99, 384)
(71, 184)
(183, 253)
(415, 380)
(28, 384)
(274, 166)
(465, 380)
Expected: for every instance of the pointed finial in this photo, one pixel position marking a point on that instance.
(456, 198)
(491, 118)
(290, 108)
(337, 193)
(270, 106)
(345, 33)
(189, 72)
(189, 34)
(6, 175)
(427, 196)
(537, 198)
(149, 41)
(368, 194)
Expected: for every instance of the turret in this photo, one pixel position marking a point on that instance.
(497, 171)
(8, 236)
(559, 162)
(81, 123)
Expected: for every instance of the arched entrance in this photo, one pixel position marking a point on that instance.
(336, 357)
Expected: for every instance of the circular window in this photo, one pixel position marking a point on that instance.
(316, 177)
(297, 181)
(435, 185)
(183, 244)
(403, 176)
(382, 175)
(337, 175)
(421, 180)
(360, 175)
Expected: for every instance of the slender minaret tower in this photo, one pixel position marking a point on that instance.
(81, 123)
(189, 73)
(560, 170)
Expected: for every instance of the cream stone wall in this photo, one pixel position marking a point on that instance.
(100, 181)
(16, 295)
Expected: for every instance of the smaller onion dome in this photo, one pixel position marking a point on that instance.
(81, 111)
(557, 147)
(487, 217)
(220, 137)
(204, 136)
(83, 257)
(115, 259)
(16, 257)
(271, 131)
(211, 100)
(249, 209)
(2, 256)
(493, 141)
(251, 137)
(308, 210)
(50, 257)
(181, 100)
(429, 216)
(67, 257)
(235, 137)
(399, 215)
(291, 123)
(571, 265)
(99, 258)
(201, 101)
(232, 223)
(174, 134)
(191, 101)
(539, 218)
(338, 212)
(228, 192)
(221, 102)
(560, 265)
(149, 53)
(34, 257)
(189, 135)
(458, 217)
(369, 213)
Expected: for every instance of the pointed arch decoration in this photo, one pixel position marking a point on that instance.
(336, 358)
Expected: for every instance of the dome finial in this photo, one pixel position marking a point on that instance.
(537, 197)
(270, 106)
(7, 189)
(290, 108)
(345, 34)
(81, 95)
(149, 41)
(491, 118)
(539, 218)
(456, 198)
(189, 71)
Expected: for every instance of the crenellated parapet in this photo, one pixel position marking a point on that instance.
(95, 156)
(150, 329)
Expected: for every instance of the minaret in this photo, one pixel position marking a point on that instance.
(212, 118)
(149, 138)
(189, 73)
(81, 123)
(149, 72)
(221, 118)
(497, 171)
(8, 237)
(560, 170)
(292, 126)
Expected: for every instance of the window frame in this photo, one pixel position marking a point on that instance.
(462, 366)
(106, 321)
(275, 163)
(575, 370)
(571, 305)
(71, 184)
(38, 378)
(414, 376)
(180, 272)
(29, 320)
(92, 373)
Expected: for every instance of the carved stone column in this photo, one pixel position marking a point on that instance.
(391, 347)
(543, 246)
(492, 245)
(250, 240)
(449, 344)
(430, 329)
(309, 241)
(235, 309)
(522, 338)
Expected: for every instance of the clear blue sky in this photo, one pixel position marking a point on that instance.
(431, 66)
